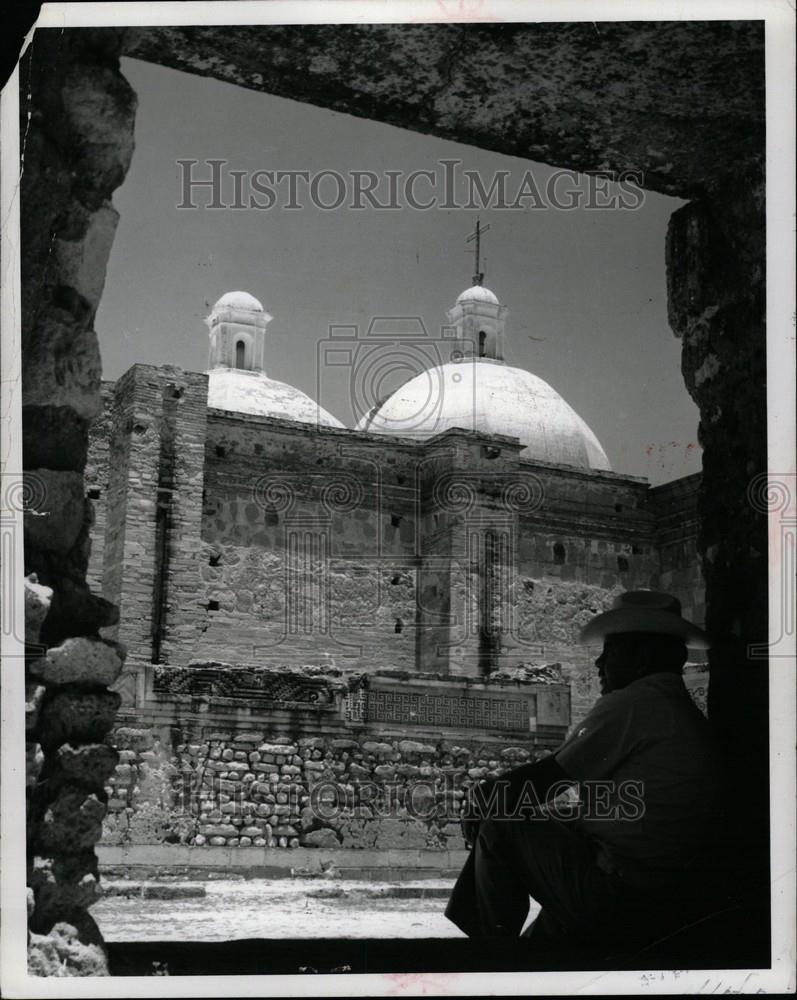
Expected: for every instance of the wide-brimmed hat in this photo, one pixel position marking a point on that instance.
(645, 611)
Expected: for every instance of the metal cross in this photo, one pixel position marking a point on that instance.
(476, 235)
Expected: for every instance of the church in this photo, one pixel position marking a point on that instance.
(301, 599)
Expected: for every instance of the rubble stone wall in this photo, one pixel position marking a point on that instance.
(266, 789)
(76, 136)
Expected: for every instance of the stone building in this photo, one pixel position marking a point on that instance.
(294, 593)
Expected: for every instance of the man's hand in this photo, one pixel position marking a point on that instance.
(527, 786)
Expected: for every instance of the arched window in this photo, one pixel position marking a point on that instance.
(482, 344)
(240, 354)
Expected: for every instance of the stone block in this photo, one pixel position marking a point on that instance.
(34, 696)
(377, 748)
(413, 747)
(37, 606)
(63, 884)
(277, 749)
(90, 764)
(61, 952)
(79, 661)
(128, 738)
(219, 830)
(319, 838)
(76, 716)
(34, 760)
(312, 742)
(56, 511)
(75, 611)
(72, 823)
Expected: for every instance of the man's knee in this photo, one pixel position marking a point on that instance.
(496, 831)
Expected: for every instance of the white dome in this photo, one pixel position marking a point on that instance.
(495, 399)
(239, 300)
(478, 293)
(253, 392)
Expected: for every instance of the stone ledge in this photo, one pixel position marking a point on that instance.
(311, 859)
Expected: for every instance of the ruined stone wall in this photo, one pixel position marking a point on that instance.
(308, 546)
(205, 787)
(674, 507)
(76, 135)
(328, 547)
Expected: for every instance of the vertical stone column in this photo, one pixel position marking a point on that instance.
(717, 301)
(154, 518)
(470, 505)
(76, 140)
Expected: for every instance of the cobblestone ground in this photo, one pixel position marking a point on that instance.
(289, 908)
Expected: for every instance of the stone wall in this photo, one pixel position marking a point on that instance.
(214, 788)
(716, 276)
(378, 564)
(76, 135)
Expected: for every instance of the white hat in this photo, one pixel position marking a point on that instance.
(645, 611)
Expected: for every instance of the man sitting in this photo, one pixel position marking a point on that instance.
(629, 859)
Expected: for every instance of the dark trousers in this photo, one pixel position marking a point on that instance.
(550, 861)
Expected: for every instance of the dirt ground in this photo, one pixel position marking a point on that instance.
(286, 908)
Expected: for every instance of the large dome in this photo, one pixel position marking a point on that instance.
(253, 392)
(493, 398)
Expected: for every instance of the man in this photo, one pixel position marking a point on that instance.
(628, 859)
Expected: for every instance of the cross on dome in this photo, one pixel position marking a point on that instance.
(476, 238)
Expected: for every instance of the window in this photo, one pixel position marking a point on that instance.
(622, 564)
(559, 554)
(240, 354)
(482, 344)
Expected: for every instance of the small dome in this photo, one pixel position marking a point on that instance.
(494, 399)
(239, 300)
(253, 392)
(478, 293)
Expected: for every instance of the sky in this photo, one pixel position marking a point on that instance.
(585, 288)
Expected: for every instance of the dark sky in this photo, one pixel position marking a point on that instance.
(589, 284)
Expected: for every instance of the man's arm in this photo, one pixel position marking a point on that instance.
(520, 789)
